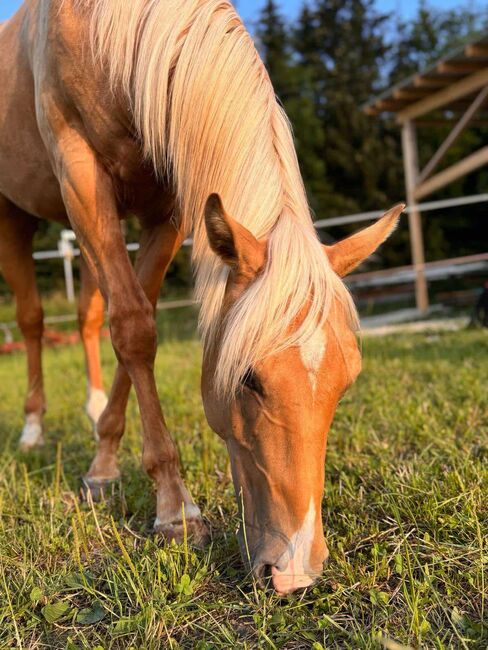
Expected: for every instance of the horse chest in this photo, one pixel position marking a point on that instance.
(137, 190)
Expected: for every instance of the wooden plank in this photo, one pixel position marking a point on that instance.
(439, 264)
(445, 96)
(437, 81)
(446, 122)
(371, 110)
(464, 66)
(385, 106)
(451, 174)
(476, 50)
(398, 106)
(391, 105)
(410, 93)
(410, 160)
(454, 135)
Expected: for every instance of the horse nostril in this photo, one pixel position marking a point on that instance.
(263, 573)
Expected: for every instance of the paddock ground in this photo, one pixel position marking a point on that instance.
(405, 510)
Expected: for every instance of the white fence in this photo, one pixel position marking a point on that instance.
(435, 270)
(67, 252)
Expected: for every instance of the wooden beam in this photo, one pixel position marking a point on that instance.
(445, 96)
(392, 105)
(461, 67)
(410, 159)
(410, 93)
(440, 122)
(371, 111)
(476, 50)
(431, 81)
(398, 106)
(439, 264)
(385, 106)
(453, 135)
(451, 174)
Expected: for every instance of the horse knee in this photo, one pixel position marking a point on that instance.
(134, 336)
(30, 318)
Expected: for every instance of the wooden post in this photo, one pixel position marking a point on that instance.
(410, 160)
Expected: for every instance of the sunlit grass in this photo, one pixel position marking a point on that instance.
(406, 515)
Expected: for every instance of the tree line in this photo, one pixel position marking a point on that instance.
(325, 65)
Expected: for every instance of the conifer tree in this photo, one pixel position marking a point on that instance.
(295, 89)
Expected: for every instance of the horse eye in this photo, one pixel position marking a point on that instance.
(252, 382)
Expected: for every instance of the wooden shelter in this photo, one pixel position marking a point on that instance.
(451, 92)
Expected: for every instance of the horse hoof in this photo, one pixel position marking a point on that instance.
(26, 445)
(96, 490)
(197, 532)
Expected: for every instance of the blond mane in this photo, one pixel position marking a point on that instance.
(208, 118)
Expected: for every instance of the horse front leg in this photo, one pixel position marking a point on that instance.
(158, 246)
(90, 201)
(91, 314)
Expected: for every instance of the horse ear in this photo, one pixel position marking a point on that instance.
(347, 254)
(233, 243)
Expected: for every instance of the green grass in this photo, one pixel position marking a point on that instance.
(405, 511)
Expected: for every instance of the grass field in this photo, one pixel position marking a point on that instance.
(405, 510)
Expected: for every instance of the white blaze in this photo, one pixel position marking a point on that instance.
(312, 353)
(297, 573)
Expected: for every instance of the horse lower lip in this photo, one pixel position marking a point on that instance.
(288, 584)
(268, 575)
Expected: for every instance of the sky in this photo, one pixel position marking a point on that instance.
(406, 8)
(249, 8)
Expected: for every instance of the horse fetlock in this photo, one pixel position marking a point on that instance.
(175, 508)
(104, 467)
(32, 433)
(189, 526)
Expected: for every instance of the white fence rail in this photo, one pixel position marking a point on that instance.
(421, 207)
(436, 270)
(67, 252)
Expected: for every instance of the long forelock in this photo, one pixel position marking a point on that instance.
(207, 116)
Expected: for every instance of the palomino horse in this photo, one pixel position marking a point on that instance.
(153, 107)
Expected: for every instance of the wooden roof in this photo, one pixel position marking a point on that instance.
(450, 84)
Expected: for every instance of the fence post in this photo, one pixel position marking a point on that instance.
(410, 159)
(9, 338)
(66, 250)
